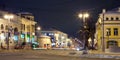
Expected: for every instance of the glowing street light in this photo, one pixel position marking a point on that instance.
(84, 16)
(38, 32)
(38, 28)
(8, 17)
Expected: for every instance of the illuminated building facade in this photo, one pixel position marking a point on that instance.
(111, 27)
(58, 38)
(20, 28)
(9, 29)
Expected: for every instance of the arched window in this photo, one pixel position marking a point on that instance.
(107, 18)
(112, 18)
(117, 18)
(6, 27)
(2, 27)
(15, 29)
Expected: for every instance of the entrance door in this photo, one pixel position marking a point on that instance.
(112, 43)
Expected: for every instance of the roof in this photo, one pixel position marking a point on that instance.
(113, 11)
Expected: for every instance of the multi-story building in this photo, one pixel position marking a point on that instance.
(16, 28)
(108, 29)
(10, 25)
(27, 26)
(58, 38)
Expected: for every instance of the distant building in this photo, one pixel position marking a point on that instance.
(58, 38)
(44, 42)
(110, 27)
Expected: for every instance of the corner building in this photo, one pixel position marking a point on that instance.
(19, 29)
(9, 29)
(109, 23)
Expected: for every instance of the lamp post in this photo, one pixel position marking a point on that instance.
(103, 41)
(38, 32)
(84, 16)
(8, 17)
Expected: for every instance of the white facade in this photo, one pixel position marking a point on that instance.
(58, 38)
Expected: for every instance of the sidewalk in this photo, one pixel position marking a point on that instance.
(97, 54)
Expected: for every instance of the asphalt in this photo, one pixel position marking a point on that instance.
(72, 53)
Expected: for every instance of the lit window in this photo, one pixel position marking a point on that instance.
(50, 33)
(45, 34)
(115, 31)
(108, 32)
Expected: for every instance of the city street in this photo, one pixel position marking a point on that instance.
(35, 55)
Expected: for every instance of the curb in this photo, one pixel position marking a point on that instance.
(99, 56)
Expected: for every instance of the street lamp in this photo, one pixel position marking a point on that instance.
(38, 28)
(101, 21)
(38, 32)
(8, 17)
(103, 41)
(84, 16)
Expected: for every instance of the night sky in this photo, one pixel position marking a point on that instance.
(61, 14)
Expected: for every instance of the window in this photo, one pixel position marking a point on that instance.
(28, 28)
(117, 18)
(111, 18)
(45, 34)
(24, 26)
(2, 27)
(33, 27)
(108, 32)
(6, 27)
(50, 33)
(107, 18)
(115, 31)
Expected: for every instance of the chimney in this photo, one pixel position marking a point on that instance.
(103, 11)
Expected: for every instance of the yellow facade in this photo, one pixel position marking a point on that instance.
(28, 26)
(110, 22)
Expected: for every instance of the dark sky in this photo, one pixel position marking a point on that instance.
(61, 14)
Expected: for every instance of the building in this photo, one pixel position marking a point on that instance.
(44, 42)
(58, 38)
(27, 27)
(10, 25)
(108, 29)
(16, 28)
